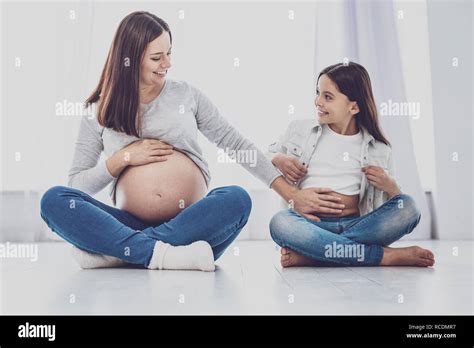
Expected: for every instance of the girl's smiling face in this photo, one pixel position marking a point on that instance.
(156, 61)
(333, 106)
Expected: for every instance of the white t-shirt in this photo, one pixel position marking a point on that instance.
(336, 163)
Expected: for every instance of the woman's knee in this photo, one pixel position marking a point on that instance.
(239, 201)
(51, 196)
(55, 196)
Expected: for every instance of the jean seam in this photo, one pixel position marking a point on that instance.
(233, 230)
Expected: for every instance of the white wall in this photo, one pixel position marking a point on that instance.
(453, 115)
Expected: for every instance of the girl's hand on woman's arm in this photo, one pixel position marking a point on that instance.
(138, 153)
(290, 167)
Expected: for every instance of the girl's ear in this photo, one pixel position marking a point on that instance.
(354, 108)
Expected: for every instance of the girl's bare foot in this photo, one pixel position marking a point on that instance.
(410, 256)
(290, 258)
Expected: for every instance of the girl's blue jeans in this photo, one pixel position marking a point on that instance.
(98, 228)
(350, 240)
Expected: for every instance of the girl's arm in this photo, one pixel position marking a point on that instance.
(287, 165)
(382, 179)
(397, 189)
(86, 172)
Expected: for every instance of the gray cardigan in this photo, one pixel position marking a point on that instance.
(174, 117)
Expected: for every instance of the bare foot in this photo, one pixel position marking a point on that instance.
(290, 258)
(410, 256)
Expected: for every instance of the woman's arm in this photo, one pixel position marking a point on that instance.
(86, 172)
(89, 175)
(116, 164)
(216, 128)
(284, 189)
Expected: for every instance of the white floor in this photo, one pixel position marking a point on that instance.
(248, 280)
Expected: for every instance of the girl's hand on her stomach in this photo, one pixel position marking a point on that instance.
(290, 167)
(146, 151)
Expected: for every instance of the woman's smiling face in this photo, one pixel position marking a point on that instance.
(156, 61)
(333, 106)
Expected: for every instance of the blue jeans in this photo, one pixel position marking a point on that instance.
(98, 228)
(350, 240)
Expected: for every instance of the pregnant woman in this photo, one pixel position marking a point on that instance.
(344, 154)
(146, 126)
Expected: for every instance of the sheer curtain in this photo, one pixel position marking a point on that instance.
(366, 32)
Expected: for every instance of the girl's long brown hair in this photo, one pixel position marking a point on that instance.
(353, 81)
(117, 93)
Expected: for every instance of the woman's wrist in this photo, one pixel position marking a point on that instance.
(116, 163)
(284, 189)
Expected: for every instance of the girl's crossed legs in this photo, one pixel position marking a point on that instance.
(351, 240)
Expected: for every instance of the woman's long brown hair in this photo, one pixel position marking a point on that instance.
(117, 93)
(353, 81)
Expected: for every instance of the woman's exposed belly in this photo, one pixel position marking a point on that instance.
(351, 205)
(157, 192)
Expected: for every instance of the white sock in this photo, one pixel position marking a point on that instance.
(195, 256)
(88, 260)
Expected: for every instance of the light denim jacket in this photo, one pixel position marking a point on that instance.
(301, 138)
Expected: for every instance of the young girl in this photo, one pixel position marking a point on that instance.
(344, 162)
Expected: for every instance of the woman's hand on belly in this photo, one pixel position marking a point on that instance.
(351, 205)
(157, 192)
(138, 153)
(146, 151)
(311, 201)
